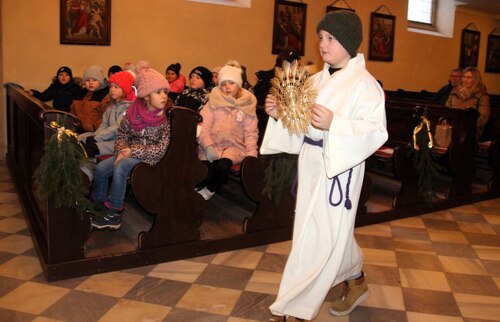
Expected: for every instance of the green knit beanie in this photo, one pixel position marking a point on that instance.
(346, 27)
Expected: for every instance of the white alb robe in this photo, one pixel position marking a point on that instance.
(324, 252)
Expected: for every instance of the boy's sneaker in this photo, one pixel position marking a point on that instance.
(355, 292)
(111, 219)
(206, 193)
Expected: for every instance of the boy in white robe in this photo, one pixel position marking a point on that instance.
(348, 125)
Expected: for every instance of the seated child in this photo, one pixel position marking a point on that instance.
(228, 131)
(113, 70)
(215, 73)
(61, 92)
(245, 84)
(89, 105)
(121, 94)
(143, 136)
(176, 80)
(200, 84)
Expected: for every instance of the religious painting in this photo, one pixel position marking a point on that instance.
(289, 27)
(469, 48)
(493, 54)
(382, 29)
(332, 8)
(234, 3)
(85, 22)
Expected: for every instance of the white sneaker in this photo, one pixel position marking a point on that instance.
(205, 193)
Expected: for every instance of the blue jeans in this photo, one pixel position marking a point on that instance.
(120, 173)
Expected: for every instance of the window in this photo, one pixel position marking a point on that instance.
(422, 12)
(432, 17)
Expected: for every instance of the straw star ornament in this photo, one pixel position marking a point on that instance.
(295, 96)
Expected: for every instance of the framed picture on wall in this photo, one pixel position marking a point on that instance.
(381, 42)
(332, 8)
(469, 48)
(493, 54)
(85, 22)
(289, 27)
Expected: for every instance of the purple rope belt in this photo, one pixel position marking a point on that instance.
(335, 180)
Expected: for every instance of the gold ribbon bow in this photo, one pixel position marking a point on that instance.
(61, 130)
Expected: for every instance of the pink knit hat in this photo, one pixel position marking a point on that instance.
(125, 80)
(148, 80)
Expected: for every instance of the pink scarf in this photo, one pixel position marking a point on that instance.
(140, 118)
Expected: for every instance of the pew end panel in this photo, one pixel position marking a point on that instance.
(166, 190)
(459, 157)
(394, 155)
(405, 171)
(494, 161)
(489, 145)
(59, 234)
(268, 215)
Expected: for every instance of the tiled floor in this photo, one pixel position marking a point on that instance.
(440, 267)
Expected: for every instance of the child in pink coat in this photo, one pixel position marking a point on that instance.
(228, 131)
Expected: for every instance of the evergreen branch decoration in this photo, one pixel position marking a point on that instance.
(59, 176)
(295, 95)
(279, 174)
(423, 160)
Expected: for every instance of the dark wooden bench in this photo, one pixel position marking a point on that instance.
(67, 247)
(487, 154)
(402, 117)
(63, 238)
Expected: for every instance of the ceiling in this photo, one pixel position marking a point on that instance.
(488, 6)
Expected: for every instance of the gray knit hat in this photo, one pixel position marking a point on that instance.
(94, 72)
(346, 27)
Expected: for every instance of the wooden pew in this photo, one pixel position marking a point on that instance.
(166, 191)
(487, 155)
(402, 117)
(61, 236)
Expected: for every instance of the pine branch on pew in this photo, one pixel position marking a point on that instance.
(278, 175)
(423, 160)
(58, 175)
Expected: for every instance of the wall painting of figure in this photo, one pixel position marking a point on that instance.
(289, 27)
(86, 22)
(381, 43)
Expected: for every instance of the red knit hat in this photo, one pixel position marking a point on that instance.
(149, 80)
(125, 80)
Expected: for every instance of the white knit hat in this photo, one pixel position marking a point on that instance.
(149, 80)
(230, 73)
